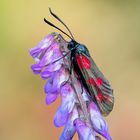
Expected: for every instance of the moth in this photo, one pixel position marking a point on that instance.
(93, 80)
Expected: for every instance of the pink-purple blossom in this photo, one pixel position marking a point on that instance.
(77, 112)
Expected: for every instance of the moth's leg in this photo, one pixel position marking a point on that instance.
(58, 58)
(62, 56)
(71, 65)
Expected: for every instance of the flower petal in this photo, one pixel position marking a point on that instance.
(36, 68)
(60, 77)
(68, 97)
(46, 74)
(84, 132)
(98, 122)
(46, 58)
(61, 117)
(51, 55)
(69, 129)
(66, 91)
(49, 88)
(51, 97)
(67, 105)
(56, 52)
(43, 45)
(49, 70)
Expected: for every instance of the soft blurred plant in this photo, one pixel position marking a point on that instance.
(77, 112)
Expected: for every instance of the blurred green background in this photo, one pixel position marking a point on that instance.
(110, 30)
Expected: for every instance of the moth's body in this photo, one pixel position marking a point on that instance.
(91, 77)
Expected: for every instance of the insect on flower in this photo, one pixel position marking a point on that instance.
(87, 71)
(85, 93)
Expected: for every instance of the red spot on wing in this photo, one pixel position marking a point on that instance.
(96, 83)
(99, 81)
(91, 81)
(99, 96)
(83, 61)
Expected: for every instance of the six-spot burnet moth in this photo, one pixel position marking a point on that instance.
(89, 74)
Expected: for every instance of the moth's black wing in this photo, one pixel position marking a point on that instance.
(98, 86)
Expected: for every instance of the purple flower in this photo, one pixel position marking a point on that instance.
(69, 129)
(67, 105)
(98, 122)
(77, 113)
(84, 132)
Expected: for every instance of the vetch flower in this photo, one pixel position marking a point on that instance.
(69, 129)
(77, 112)
(98, 122)
(84, 132)
(42, 46)
(68, 101)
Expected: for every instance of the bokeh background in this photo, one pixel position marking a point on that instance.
(111, 31)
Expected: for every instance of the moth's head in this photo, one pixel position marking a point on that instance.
(72, 44)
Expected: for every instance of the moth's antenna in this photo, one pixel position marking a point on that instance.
(51, 24)
(54, 15)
